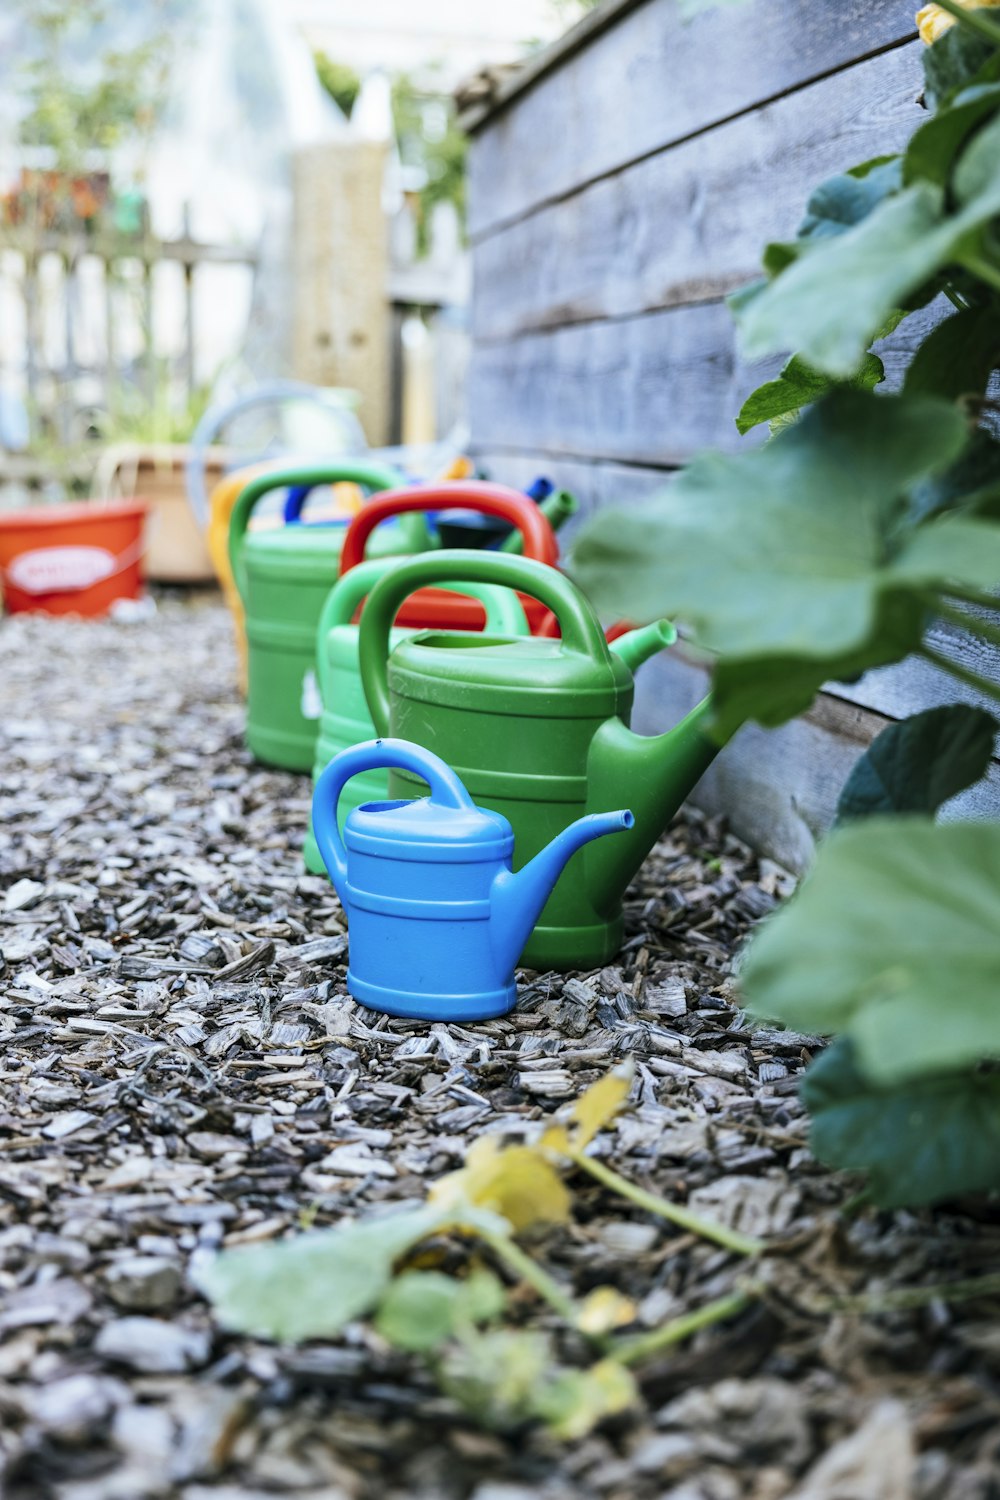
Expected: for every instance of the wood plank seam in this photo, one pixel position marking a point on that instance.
(511, 450)
(552, 200)
(542, 330)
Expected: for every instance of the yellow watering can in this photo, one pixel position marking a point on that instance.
(348, 498)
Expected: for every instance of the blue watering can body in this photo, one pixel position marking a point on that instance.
(437, 917)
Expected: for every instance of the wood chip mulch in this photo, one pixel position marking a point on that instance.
(182, 1069)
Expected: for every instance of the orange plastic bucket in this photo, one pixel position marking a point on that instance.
(71, 559)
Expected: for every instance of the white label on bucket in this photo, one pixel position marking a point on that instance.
(54, 570)
(311, 704)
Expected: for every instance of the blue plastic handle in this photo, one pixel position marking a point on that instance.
(375, 755)
(294, 501)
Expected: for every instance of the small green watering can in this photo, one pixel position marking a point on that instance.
(345, 721)
(537, 730)
(283, 576)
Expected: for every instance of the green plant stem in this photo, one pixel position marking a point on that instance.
(633, 1351)
(962, 674)
(966, 596)
(530, 1271)
(911, 1297)
(729, 1239)
(972, 20)
(978, 265)
(856, 1202)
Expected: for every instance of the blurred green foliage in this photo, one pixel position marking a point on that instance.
(74, 110)
(427, 136)
(340, 81)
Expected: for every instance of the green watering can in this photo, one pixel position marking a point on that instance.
(345, 721)
(537, 730)
(283, 576)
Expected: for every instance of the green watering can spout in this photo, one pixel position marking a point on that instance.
(654, 774)
(516, 901)
(557, 508)
(639, 645)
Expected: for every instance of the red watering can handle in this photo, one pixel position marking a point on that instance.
(580, 627)
(462, 494)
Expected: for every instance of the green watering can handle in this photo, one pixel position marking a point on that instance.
(581, 629)
(371, 475)
(504, 611)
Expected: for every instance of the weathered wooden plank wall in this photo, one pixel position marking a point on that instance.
(616, 195)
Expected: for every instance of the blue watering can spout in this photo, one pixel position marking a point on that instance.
(516, 901)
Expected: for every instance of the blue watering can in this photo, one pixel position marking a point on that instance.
(437, 917)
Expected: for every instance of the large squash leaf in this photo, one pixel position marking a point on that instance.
(933, 148)
(829, 303)
(958, 60)
(957, 357)
(930, 1139)
(894, 941)
(917, 765)
(786, 561)
(843, 201)
(971, 484)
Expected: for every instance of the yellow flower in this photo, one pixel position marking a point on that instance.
(514, 1181)
(932, 21)
(595, 1108)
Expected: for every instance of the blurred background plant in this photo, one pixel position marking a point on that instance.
(165, 177)
(432, 149)
(82, 102)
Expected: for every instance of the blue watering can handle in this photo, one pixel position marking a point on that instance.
(375, 755)
(295, 504)
(295, 501)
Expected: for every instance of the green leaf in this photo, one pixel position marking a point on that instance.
(916, 766)
(496, 1376)
(843, 201)
(922, 1142)
(784, 560)
(893, 940)
(799, 386)
(311, 1286)
(958, 60)
(933, 148)
(422, 1309)
(977, 173)
(971, 484)
(574, 1401)
(830, 302)
(957, 357)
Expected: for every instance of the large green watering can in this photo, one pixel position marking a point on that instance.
(284, 575)
(345, 721)
(538, 730)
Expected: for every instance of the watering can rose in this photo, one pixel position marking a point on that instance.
(932, 21)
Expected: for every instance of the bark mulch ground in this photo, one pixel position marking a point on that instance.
(182, 1069)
